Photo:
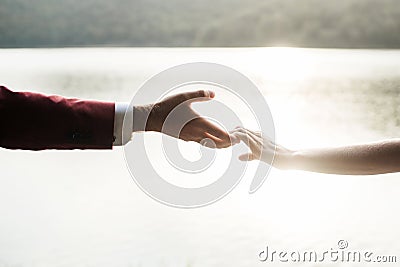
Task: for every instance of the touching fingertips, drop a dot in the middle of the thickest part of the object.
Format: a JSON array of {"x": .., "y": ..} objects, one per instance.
[
  {"x": 234, "y": 139},
  {"x": 246, "y": 157}
]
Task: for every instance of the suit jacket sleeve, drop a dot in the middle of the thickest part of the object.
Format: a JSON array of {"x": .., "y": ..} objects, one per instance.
[{"x": 34, "y": 121}]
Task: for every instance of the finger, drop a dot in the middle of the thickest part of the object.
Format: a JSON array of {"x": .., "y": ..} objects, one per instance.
[
  {"x": 194, "y": 96},
  {"x": 208, "y": 142},
  {"x": 204, "y": 126},
  {"x": 219, "y": 143},
  {"x": 254, "y": 136},
  {"x": 243, "y": 137},
  {"x": 246, "y": 157},
  {"x": 213, "y": 129},
  {"x": 234, "y": 140},
  {"x": 253, "y": 133},
  {"x": 255, "y": 147},
  {"x": 199, "y": 96},
  {"x": 260, "y": 139},
  {"x": 246, "y": 131}
]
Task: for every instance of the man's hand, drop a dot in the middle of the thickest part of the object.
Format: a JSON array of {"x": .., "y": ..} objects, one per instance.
[{"x": 174, "y": 116}]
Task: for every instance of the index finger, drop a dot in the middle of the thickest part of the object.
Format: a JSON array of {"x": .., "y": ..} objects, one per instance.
[{"x": 216, "y": 131}]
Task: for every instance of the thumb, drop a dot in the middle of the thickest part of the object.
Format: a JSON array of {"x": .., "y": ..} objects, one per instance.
[
  {"x": 199, "y": 96},
  {"x": 246, "y": 157}
]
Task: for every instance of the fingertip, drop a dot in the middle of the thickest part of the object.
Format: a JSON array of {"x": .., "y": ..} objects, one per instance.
[
  {"x": 243, "y": 158},
  {"x": 207, "y": 142},
  {"x": 234, "y": 139},
  {"x": 205, "y": 94},
  {"x": 246, "y": 157}
]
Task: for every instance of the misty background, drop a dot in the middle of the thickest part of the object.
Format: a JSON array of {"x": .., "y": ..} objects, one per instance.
[{"x": 182, "y": 23}]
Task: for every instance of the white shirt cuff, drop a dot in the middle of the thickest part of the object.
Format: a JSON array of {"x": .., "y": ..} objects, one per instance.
[{"x": 123, "y": 124}]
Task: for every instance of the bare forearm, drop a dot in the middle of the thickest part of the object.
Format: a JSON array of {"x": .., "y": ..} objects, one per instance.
[{"x": 364, "y": 159}]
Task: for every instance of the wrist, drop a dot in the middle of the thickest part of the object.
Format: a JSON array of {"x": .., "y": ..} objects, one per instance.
[
  {"x": 285, "y": 159},
  {"x": 140, "y": 115},
  {"x": 145, "y": 118},
  {"x": 297, "y": 159}
]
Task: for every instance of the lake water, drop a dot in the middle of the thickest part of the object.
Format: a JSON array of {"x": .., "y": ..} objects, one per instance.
[{"x": 82, "y": 208}]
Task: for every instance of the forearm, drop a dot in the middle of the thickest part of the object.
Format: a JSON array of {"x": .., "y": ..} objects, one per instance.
[
  {"x": 364, "y": 159},
  {"x": 35, "y": 122}
]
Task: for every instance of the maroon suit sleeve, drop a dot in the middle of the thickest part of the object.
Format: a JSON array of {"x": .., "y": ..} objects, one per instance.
[{"x": 35, "y": 122}]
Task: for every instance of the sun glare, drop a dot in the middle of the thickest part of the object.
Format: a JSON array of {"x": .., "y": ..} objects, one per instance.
[{"x": 283, "y": 63}]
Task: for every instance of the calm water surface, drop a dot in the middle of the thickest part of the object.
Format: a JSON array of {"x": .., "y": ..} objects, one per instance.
[{"x": 81, "y": 208}]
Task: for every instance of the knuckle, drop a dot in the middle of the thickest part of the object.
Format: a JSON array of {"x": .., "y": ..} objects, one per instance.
[{"x": 201, "y": 93}]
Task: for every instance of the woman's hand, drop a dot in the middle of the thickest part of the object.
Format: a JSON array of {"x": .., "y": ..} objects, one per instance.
[
  {"x": 361, "y": 159},
  {"x": 261, "y": 148}
]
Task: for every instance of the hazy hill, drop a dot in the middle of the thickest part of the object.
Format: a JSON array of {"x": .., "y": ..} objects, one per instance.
[{"x": 310, "y": 23}]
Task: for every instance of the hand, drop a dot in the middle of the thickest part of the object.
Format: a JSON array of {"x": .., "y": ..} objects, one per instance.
[
  {"x": 174, "y": 116},
  {"x": 263, "y": 149}
]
